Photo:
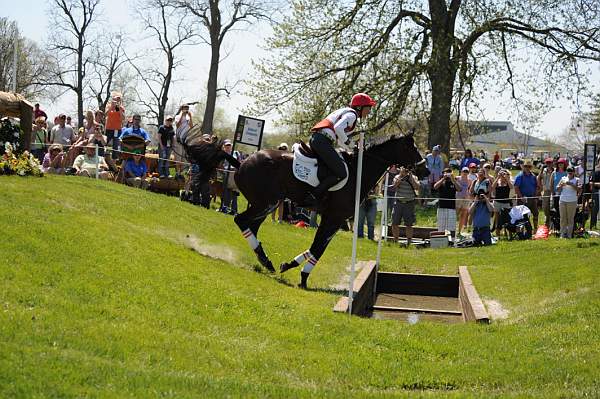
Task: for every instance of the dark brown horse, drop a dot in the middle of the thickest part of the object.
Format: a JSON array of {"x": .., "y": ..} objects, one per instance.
[{"x": 266, "y": 177}]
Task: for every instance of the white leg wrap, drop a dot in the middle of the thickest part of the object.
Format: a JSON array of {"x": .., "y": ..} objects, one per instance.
[
  {"x": 251, "y": 238},
  {"x": 302, "y": 257},
  {"x": 310, "y": 264}
]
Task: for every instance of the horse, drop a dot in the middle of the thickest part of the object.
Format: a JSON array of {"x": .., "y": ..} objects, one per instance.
[{"x": 266, "y": 177}]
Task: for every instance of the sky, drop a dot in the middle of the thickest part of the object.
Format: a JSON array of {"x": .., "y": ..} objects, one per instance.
[{"x": 31, "y": 16}]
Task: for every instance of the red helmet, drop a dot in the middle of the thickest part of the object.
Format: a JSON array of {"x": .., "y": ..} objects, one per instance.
[
  {"x": 362, "y": 100},
  {"x": 562, "y": 160}
]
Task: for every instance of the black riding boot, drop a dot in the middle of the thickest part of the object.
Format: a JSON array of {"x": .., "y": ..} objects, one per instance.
[
  {"x": 303, "y": 279},
  {"x": 315, "y": 196}
]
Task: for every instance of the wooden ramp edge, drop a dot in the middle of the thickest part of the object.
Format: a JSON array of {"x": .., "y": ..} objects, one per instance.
[
  {"x": 364, "y": 284},
  {"x": 473, "y": 309}
]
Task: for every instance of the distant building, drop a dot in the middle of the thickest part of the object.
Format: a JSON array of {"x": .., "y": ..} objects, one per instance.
[{"x": 492, "y": 136}]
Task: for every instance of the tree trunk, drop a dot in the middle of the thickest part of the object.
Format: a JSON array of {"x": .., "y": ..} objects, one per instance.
[
  {"x": 442, "y": 72},
  {"x": 213, "y": 73},
  {"x": 162, "y": 105},
  {"x": 79, "y": 88}
]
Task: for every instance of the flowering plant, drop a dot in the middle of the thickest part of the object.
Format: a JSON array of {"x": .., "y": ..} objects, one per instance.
[{"x": 23, "y": 165}]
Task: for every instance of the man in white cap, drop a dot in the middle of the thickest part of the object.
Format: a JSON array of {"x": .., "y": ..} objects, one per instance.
[{"x": 435, "y": 164}]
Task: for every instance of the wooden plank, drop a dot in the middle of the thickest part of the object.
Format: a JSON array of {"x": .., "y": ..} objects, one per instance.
[
  {"x": 473, "y": 308},
  {"x": 419, "y": 310},
  {"x": 362, "y": 292},
  {"x": 417, "y": 284}
]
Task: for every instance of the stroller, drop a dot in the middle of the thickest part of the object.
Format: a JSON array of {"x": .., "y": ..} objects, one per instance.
[{"x": 519, "y": 226}]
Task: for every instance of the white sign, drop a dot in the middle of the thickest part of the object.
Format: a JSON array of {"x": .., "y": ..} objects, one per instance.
[{"x": 252, "y": 131}]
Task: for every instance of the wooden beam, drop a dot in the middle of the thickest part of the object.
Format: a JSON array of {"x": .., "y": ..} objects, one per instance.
[{"x": 473, "y": 309}]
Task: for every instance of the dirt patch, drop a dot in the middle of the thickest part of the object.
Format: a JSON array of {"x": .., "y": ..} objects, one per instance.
[
  {"x": 496, "y": 310},
  {"x": 209, "y": 250}
]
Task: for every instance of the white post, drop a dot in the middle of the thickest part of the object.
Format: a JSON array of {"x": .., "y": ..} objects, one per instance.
[
  {"x": 97, "y": 161},
  {"x": 384, "y": 223},
  {"x": 356, "y": 205}
]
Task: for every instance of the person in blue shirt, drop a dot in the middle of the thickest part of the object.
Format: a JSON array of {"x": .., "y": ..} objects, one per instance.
[
  {"x": 468, "y": 159},
  {"x": 481, "y": 210},
  {"x": 527, "y": 189},
  {"x": 135, "y": 172},
  {"x": 136, "y": 130}
]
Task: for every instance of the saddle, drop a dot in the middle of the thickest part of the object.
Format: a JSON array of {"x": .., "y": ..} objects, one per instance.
[{"x": 305, "y": 166}]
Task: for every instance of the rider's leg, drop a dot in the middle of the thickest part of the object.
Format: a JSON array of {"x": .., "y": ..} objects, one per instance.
[{"x": 327, "y": 154}]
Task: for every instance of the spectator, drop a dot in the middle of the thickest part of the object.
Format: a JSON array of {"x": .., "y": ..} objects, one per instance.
[
  {"x": 481, "y": 181},
  {"x": 39, "y": 113},
  {"x": 435, "y": 164},
  {"x": 89, "y": 124},
  {"x": 136, "y": 130},
  {"x": 481, "y": 210},
  {"x": 501, "y": 191},
  {"x": 463, "y": 199},
  {"x": 69, "y": 122},
  {"x": 183, "y": 123},
  {"x": 527, "y": 190},
  {"x": 446, "y": 213},
  {"x": 39, "y": 138},
  {"x": 468, "y": 159},
  {"x": 473, "y": 171},
  {"x": 165, "y": 143},
  {"x": 557, "y": 175},
  {"x": 367, "y": 210},
  {"x": 135, "y": 171},
  {"x": 569, "y": 189},
  {"x": 115, "y": 117},
  {"x": 54, "y": 160},
  {"x": 595, "y": 188},
  {"x": 406, "y": 187},
  {"x": 487, "y": 169},
  {"x": 88, "y": 163},
  {"x": 200, "y": 184},
  {"x": 230, "y": 194},
  {"x": 496, "y": 158},
  {"x": 545, "y": 184},
  {"x": 99, "y": 117},
  {"x": 62, "y": 133}
]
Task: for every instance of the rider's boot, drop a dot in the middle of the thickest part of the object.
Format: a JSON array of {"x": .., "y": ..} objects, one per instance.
[
  {"x": 264, "y": 259},
  {"x": 303, "y": 279},
  {"x": 313, "y": 197}
]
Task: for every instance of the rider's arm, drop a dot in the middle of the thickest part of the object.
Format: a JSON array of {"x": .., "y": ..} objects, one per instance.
[{"x": 347, "y": 120}]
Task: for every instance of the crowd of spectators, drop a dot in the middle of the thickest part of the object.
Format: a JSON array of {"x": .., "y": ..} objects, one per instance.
[{"x": 481, "y": 197}]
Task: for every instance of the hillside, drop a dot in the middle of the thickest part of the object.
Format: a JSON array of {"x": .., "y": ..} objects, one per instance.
[{"x": 101, "y": 296}]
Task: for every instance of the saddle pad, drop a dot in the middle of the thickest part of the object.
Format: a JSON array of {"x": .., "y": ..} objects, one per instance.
[{"x": 305, "y": 170}]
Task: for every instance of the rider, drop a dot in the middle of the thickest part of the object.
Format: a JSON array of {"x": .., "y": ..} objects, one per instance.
[{"x": 331, "y": 130}]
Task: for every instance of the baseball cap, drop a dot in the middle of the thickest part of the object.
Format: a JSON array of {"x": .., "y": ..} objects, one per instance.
[
  {"x": 227, "y": 142},
  {"x": 436, "y": 148},
  {"x": 548, "y": 160},
  {"x": 528, "y": 162},
  {"x": 464, "y": 169},
  {"x": 169, "y": 117},
  {"x": 472, "y": 165}
]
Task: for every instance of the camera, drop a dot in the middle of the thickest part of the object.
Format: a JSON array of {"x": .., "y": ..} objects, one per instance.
[
  {"x": 118, "y": 108},
  {"x": 481, "y": 194}
]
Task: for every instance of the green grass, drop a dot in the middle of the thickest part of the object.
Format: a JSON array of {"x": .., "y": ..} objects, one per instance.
[{"x": 101, "y": 296}]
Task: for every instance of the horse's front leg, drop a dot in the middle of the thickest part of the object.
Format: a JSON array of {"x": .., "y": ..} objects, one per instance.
[
  {"x": 325, "y": 233},
  {"x": 249, "y": 222}
]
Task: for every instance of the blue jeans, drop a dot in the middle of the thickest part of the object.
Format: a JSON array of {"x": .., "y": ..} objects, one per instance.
[
  {"x": 368, "y": 210},
  {"x": 163, "y": 164},
  {"x": 229, "y": 201}
]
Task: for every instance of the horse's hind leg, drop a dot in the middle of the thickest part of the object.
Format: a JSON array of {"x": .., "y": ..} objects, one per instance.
[{"x": 249, "y": 222}]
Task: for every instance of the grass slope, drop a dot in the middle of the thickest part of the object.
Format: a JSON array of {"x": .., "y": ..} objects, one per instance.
[{"x": 101, "y": 296}]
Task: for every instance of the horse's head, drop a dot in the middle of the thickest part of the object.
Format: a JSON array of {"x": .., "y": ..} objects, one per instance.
[{"x": 403, "y": 151}]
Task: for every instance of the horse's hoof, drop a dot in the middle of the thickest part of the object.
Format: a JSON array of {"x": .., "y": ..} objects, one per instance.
[
  {"x": 269, "y": 266},
  {"x": 284, "y": 267}
]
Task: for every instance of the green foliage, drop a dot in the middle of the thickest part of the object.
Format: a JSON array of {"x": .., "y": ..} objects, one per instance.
[{"x": 101, "y": 296}]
